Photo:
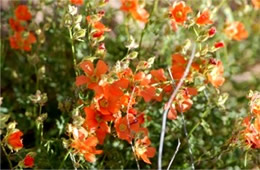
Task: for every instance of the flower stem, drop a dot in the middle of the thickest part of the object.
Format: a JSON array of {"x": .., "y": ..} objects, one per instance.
[
  {"x": 64, "y": 159},
  {"x": 73, "y": 52},
  {"x": 7, "y": 156},
  {"x": 155, "y": 4}
]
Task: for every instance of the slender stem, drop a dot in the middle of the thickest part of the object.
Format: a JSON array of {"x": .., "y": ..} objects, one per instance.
[
  {"x": 155, "y": 3},
  {"x": 245, "y": 161},
  {"x": 195, "y": 127},
  {"x": 7, "y": 156},
  {"x": 129, "y": 127},
  {"x": 73, "y": 52},
  {"x": 64, "y": 159},
  {"x": 41, "y": 126},
  {"x": 186, "y": 134},
  {"x": 175, "y": 153},
  {"x": 169, "y": 104}
]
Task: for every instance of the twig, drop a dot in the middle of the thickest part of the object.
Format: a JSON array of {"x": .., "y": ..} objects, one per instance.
[
  {"x": 175, "y": 153},
  {"x": 129, "y": 127},
  {"x": 169, "y": 104},
  {"x": 186, "y": 135}
]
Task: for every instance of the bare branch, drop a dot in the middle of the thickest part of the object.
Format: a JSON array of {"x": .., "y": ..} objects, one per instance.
[
  {"x": 174, "y": 155},
  {"x": 169, "y": 104}
]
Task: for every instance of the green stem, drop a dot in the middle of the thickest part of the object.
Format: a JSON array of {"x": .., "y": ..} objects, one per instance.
[
  {"x": 41, "y": 126},
  {"x": 195, "y": 127},
  {"x": 155, "y": 3},
  {"x": 64, "y": 159},
  {"x": 245, "y": 161},
  {"x": 73, "y": 51},
  {"x": 7, "y": 156}
]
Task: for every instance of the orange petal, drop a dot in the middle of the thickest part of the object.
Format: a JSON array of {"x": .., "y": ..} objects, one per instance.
[
  {"x": 101, "y": 68},
  {"x": 178, "y": 58},
  {"x": 140, "y": 14},
  {"x": 148, "y": 94},
  {"x": 90, "y": 157},
  {"x": 145, "y": 158},
  {"x": 192, "y": 91},
  {"x": 88, "y": 67},
  {"x": 150, "y": 152},
  {"x": 80, "y": 80},
  {"x": 91, "y": 141}
]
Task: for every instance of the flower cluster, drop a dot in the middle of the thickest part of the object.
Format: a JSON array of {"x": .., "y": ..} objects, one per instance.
[
  {"x": 22, "y": 38},
  {"x": 116, "y": 92},
  {"x": 112, "y": 94},
  {"x": 252, "y": 123},
  {"x": 236, "y": 31}
]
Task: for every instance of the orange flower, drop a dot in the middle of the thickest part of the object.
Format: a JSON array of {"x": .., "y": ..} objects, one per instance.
[
  {"x": 100, "y": 29},
  {"x": 183, "y": 99},
  {"x": 204, "y": 18},
  {"x": 125, "y": 99},
  {"x": 158, "y": 76},
  {"x": 140, "y": 14},
  {"x": 15, "y": 25},
  {"x": 252, "y": 132},
  {"x": 143, "y": 150},
  {"x": 122, "y": 130},
  {"x": 236, "y": 31},
  {"x": 142, "y": 79},
  {"x": 172, "y": 114},
  {"x": 144, "y": 88},
  {"x": 77, "y": 2},
  {"x": 215, "y": 76},
  {"x": 22, "y": 13},
  {"x": 182, "y": 102},
  {"x": 22, "y": 41},
  {"x": 107, "y": 98},
  {"x": 14, "y": 140},
  {"x": 256, "y": 3},
  {"x": 129, "y": 5},
  {"x": 97, "y": 121},
  {"x": 178, "y": 66},
  {"x": 94, "y": 118},
  {"x": 28, "y": 161},
  {"x": 87, "y": 147},
  {"x": 92, "y": 75},
  {"x": 137, "y": 12},
  {"x": 179, "y": 12}
]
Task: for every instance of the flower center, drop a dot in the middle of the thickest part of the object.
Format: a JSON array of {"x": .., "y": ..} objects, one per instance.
[
  {"x": 122, "y": 127},
  {"x": 103, "y": 103},
  {"x": 179, "y": 14},
  {"x": 98, "y": 118}
]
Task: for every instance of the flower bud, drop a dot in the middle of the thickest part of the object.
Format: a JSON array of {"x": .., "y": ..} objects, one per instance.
[
  {"x": 219, "y": 45},
  {"x": 212, "y": 31}
]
